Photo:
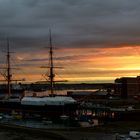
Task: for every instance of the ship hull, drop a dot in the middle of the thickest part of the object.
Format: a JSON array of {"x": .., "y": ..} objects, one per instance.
[{"x": 48, "y": 111}]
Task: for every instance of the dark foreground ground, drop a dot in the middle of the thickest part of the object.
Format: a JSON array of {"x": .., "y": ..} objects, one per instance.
[
  {"x": 6, "y": 135},
  {"x": 106, "y": 132},
  {"x": 12, "y": 132},
  {"x": 71, "y": 136}
]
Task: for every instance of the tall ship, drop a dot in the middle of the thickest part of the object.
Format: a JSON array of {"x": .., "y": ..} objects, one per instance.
[
  {"x": 10, "y": 86},
  {"x": 52, "y": 106}
]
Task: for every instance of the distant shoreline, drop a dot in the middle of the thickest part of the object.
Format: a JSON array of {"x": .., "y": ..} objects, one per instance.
[{"x": 65, "y": 86}]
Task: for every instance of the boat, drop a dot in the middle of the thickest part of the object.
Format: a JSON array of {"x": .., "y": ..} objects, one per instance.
[{"x": 51, "y": 106}]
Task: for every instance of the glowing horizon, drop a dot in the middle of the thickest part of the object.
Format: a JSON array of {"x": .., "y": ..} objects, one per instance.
[{"x": 81, "y": 64}]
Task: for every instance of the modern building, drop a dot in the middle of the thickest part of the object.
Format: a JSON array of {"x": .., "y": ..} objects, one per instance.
[{"x": 127, "y": 86}]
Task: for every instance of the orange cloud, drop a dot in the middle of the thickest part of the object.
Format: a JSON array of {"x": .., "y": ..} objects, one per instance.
[{"x": 82, "y": 64}]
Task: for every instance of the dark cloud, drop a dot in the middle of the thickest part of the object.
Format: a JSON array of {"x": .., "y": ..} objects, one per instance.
[
  {"x": 36, "y": 60},
  {"x": 74, "y": 23}
]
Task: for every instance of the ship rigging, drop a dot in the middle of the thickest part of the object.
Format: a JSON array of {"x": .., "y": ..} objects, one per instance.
[
  {"x": 50, "y": 77},
  {"x": 8, "y": 76},
  {"x": 52, "y": 106}
]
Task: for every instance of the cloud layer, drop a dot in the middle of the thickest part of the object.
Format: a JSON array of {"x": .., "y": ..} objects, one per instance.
[
  {"x": 81, "y": 29},
  {"x": 74, "y": 22}
]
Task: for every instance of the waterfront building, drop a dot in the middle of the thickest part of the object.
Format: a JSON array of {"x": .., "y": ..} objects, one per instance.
[{"x": 127, "y": 86}]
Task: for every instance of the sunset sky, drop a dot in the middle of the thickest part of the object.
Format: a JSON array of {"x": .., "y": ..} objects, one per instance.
[{"x": 94, "y": 40}]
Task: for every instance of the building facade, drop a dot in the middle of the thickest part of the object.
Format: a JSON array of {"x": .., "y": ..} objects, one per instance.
[{"x": 127, "y": 86}]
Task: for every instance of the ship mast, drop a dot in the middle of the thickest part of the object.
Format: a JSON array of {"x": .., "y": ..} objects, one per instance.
[
  {"x": 51, "y": 74},
  {"x": 7, "y": 74},
  {"x": 8, "y": 70}
]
